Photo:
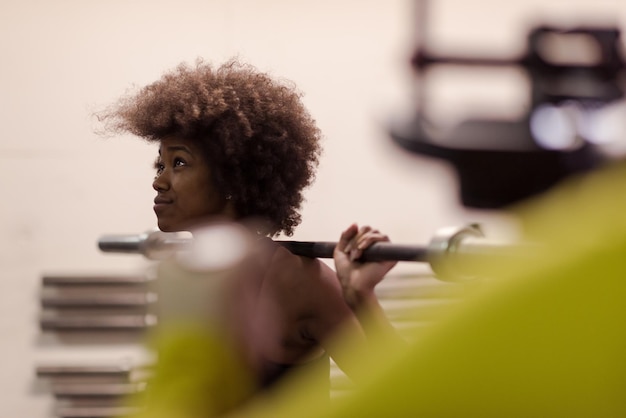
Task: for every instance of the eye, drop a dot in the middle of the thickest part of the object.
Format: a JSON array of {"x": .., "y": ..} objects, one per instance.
[
  {"x": 179, "y": 162},
  {"x": 159, "y": 167}
]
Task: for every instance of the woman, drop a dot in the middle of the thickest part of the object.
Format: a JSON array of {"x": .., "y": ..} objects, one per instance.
[{"x": 238, "y": 145}]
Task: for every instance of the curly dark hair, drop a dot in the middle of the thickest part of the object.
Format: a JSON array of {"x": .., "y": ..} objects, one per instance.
[{"x": 261, "y": 143}]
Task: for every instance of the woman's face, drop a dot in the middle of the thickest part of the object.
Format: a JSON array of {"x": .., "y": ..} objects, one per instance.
[{"x": 185, "y": 192}]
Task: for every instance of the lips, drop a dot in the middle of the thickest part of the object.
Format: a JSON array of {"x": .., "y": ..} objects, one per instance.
[
  {"x": 160, "y": 200},
  {"x": 161, "y": 203}
]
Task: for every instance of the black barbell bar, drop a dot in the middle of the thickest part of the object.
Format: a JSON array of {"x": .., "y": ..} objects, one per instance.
[{"x": 448, "y": 244}]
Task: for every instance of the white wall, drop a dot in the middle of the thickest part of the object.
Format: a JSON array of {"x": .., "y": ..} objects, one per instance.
[{"x": 63, "y": 187}]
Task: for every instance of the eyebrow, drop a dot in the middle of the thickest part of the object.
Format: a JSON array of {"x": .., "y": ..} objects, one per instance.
[{"x": 177, "y": 148}]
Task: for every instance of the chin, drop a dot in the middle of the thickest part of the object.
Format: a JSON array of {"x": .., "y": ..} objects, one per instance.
[
  {"x": 173, "y": 226},
  {"x": 167, "y": 227}
]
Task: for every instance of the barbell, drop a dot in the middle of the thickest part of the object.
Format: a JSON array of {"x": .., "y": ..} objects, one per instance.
[{"x": 447, "y": 246}]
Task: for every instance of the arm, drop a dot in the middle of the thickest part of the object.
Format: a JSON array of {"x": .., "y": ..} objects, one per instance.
[
  {"x": 350, "y": 318},
  {"x": 359, "y": 279}
]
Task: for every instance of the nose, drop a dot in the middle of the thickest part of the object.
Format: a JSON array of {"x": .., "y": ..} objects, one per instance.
[{"x": 161, "y": 182}]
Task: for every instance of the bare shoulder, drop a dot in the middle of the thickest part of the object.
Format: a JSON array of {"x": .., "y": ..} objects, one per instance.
[
  {"x": 301, "y": 271},
  {"x": 309, "y": 288}
]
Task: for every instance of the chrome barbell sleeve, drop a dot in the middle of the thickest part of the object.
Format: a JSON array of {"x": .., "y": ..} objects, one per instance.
[
  {"x": 156, "y": 245},
  {"x": 445, "y": 251}
]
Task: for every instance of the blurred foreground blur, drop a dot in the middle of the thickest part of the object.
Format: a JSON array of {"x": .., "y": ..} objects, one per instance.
[{"x": 538, "y": 337}]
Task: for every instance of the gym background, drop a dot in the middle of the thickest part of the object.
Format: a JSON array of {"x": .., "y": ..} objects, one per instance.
[{"x": 63, "y": 186}]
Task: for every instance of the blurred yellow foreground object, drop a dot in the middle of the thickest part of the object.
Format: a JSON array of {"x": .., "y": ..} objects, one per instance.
[{"x": 546, "y": 337}]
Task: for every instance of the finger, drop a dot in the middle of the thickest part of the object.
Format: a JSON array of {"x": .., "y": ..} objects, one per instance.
[
  {"x": 372, "y": 237},
  {"x": 344, "y": 243},
  {"x": 364, "y": 230},
  {"x": 355, "y": 253}
]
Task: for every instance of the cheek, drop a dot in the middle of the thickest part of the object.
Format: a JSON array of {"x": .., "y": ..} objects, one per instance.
[{"x": 205, "y": 201}]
